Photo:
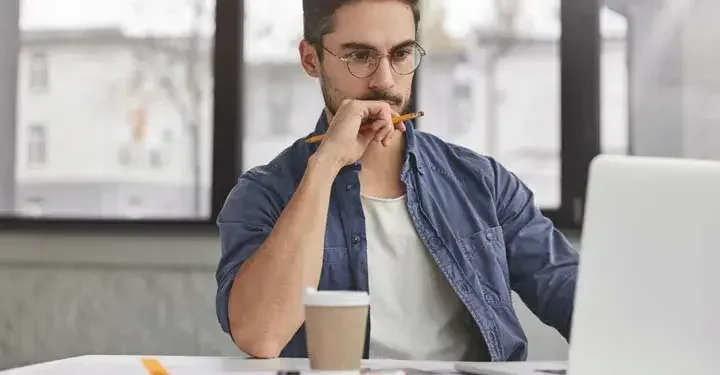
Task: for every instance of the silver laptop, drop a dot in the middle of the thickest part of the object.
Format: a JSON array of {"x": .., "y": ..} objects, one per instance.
[{"x": 648, "y": 294}]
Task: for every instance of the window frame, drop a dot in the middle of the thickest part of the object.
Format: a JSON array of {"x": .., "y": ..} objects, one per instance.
[
  {"x": 580, "y": 45},
  {"x": 580, "y": 62}
]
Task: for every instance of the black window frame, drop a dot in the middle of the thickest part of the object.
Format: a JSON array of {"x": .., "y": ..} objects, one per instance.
[
  {"x": 580, "y": 59},
  {"x": 580, "y": 45}
]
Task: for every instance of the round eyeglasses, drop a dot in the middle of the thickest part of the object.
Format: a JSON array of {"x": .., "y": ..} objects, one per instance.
[{"x": 363, "y": 63}]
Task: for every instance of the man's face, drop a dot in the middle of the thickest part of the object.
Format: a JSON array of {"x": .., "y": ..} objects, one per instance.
[{"x": 362, "y": 29}]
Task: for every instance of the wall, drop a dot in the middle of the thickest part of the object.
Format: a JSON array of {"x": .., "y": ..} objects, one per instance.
[
  {"x": 67, "y": 295},
  {"x": 71, "y": 294}
]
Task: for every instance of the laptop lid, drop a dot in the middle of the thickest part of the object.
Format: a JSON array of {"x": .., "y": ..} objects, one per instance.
[{"x": 648, "y": 293}]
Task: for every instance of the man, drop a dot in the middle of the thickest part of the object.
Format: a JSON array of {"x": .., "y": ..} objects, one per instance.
[{"x": 437, "y": 234}]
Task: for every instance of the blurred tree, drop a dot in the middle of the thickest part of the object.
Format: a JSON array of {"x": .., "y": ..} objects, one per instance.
[{"x": 175, "y": 68}]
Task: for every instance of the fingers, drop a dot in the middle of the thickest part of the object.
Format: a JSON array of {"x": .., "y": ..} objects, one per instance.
[
  {"x": 373, "y": 131},
  {"x": 381, "y": 113},
  {"x": 378, "y": 113},
  {"x": 384, "y": 135}
]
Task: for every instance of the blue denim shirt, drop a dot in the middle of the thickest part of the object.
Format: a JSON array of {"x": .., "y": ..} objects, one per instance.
[{"x": 478, "y": 221}]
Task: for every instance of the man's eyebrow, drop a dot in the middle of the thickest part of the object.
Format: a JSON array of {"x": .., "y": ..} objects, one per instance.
[
  {"x": 404, "y": 44},
  {"x": 356, "y": 45},
  {"x": 361, "y": 45}
]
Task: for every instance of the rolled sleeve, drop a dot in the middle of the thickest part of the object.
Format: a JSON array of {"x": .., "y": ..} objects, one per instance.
[
  {"x": 246, "y": 220},
  {"x": 543, "y": 264}
]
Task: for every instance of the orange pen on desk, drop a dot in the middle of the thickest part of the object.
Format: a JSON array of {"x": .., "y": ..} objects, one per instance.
[{"x": 395, "y": 120}]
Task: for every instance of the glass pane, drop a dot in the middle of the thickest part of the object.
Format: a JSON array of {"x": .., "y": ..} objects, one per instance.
[
  {"x": 282, "y": 102},
  {"x": 113, "y": 109},
  {"x": 667, "y": 63},
  {"x": 614, "y": 85},
  {"x": 491, "y": 82}
]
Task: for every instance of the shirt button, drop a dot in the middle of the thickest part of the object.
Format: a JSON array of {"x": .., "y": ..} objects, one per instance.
[
  {"x": 348, "y": 187},
  {"x": 355, "y": 239}
]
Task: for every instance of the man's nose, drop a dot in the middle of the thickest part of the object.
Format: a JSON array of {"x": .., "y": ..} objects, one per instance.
[{"x": 383, "y": 78}]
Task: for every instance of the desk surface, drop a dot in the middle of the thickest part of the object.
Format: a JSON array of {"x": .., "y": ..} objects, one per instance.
[{"x": 177, "y": 365}]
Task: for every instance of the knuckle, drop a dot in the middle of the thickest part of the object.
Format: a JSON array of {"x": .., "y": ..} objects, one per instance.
[{"x": 347, "y": 103}]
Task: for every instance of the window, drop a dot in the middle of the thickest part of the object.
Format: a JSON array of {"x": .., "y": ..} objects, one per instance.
[
  {"x": 125, "y": 156},
  {"x": 282, "y": 103},
  {"x": 491, "y": 82},
  {"x": 38, "y": 71},
  {"x": 130, "y": 71},
  {"x": 143, "y": 88},
  {"x": 660, "y": 64},
  {"x": 461, "y": 115},
  {"x": 37, "y": 145},
  {"x": 280, "y": 109},
  {"x": 33, "y": 207},
  {"x": 134, "y": 207},
  {"x": 156, "y": 159}
]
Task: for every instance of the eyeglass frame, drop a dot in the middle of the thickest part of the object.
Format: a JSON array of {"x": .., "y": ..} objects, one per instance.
[{"x": 380, "y": 56}]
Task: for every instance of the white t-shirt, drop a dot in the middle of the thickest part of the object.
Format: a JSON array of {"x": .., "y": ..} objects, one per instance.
[{"x": 414, "y": 313}]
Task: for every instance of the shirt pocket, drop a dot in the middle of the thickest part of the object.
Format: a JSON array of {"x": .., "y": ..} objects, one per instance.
[
  {"x": 336, "y": 271},
  {"x": 489, "y": 275}
]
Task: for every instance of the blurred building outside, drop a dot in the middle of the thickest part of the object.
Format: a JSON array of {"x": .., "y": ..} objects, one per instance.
[{"x": 112, "y": 124}]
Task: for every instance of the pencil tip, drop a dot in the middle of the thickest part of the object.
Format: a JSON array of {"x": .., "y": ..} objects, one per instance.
[{"x": 421, "y": 113}]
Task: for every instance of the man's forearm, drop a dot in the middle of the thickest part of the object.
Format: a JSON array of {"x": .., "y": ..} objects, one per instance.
[
  {"x": 265, "y": 306},
  {"x": 562, "y": 304}
]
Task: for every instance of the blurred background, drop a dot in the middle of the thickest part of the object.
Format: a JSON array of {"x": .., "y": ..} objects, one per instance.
[{"x": 124, "y": 123}]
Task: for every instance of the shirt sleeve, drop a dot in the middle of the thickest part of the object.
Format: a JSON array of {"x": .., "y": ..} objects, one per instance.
[
  {"x": 246, "y": 220},
  {"x": 542, "y": 263}
]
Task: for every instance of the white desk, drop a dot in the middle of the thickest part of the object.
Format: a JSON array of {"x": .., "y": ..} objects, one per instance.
[{"x": 130, "y": 365}]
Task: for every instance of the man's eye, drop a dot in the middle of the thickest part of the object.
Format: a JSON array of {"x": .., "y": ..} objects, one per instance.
[
  {"x": 360, "y": 56},
  {"x": 401, "y": 54}
]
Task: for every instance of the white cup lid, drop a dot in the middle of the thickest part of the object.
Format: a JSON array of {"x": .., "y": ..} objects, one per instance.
[{"x": 335, "y": 298}]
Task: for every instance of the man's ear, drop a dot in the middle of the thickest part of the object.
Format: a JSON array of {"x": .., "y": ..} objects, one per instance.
[{"x": 309, "y": 59}]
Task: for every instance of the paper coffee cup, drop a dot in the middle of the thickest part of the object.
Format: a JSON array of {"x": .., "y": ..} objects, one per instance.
[{"x": 335, "y": 325}]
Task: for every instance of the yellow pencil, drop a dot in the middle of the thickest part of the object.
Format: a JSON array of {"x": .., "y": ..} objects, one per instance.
[
  {"x": 396, "y": 120},
  {"x": 153, "y": 367}
]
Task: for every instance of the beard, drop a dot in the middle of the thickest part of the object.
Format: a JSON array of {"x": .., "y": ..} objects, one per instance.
[{"x": 334, "y": 97}]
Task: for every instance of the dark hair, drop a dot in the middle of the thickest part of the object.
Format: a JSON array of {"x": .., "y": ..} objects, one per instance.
[{"x": 318, "y": 18}]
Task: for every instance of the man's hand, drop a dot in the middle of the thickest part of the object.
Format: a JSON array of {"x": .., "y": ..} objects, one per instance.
[{"x": 344, "y": 142}]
